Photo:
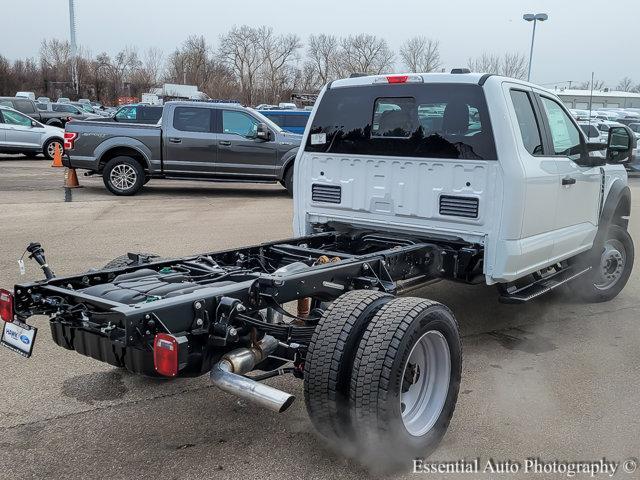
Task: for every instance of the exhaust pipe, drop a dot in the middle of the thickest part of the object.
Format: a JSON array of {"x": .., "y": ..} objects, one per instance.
[{"x": 227, "y": 376}]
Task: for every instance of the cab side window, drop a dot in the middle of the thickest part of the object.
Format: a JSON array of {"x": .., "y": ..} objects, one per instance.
[
  {"x": 15, "y": 118},
  {"x": 527, "y": 121},
  {"x": 192, "y": 119},
  {"x": 126, "y": 114},
  {"x": 565, "y": 135},
  {"x": 239, "y": 123}
]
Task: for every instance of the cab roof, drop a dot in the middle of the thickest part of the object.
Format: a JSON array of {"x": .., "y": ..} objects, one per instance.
[{"x": 462, "y": 78}]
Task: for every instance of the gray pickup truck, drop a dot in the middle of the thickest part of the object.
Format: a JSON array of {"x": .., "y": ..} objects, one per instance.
[{"x": 193, "y": 141}]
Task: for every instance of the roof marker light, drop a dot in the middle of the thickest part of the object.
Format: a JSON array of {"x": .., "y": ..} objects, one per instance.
[{"x": 399, "y": 79}]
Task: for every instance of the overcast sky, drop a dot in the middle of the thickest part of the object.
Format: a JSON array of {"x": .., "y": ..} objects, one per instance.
[{"x": 581, "y": 35}]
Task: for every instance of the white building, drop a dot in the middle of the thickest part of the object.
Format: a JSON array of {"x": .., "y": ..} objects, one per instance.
[
  {"x": 574, "y": 98},
  {"x": 172, "y": 91}
]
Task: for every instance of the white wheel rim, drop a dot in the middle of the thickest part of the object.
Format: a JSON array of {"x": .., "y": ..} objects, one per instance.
[
  {"x": 612, "y": 263},
  {"x": 123, "y": 177},
  {"x": 425, "y": 383},
  {"x": 51, "y": 148}
]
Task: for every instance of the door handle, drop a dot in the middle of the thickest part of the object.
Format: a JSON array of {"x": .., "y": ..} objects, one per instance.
[
  {"x": 175, "y": 140},
  {"x": 224, "y": 143},
  {"x": 568, "y": 181}
]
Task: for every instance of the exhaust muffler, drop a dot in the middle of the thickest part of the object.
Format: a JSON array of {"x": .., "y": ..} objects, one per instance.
[{"x": 228, "y": 373}]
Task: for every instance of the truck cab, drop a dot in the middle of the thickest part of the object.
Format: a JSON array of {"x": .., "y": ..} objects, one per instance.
[{"x": 486, "y": 159}]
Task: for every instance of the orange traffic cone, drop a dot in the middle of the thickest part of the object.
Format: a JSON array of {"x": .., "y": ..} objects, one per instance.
[
  {"x": 57, "y": 157},
  {"x": 71, "y": 178}
]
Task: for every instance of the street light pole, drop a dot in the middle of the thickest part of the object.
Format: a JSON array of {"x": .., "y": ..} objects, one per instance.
[
  {"x": 531, "y": 17},
  {"x": 74, "y": 47}
]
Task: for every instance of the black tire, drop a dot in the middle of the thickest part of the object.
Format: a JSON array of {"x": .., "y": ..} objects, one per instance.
[
  {"x": 49, "y": 146},
  {"x": 146, "y": 179},
  {"x": 287, "y": 180},
  {"x": 124, "y": 260},
  {"x": 329, "y": 360},
  {"x": 379, "y": 377},
  {"x": 133, "y": 176},
  {"x": 592, "y": 286}
]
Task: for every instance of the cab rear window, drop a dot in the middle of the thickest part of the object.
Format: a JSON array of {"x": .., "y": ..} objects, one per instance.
[{"x": 425, "y": 120}]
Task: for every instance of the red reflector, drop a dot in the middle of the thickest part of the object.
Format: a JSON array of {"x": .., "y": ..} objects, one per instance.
[
  {"x": 69, "y": 139},
  {"x": 165, "y": 354},
  {"x": 397, "y": 78},
  {"x": 6, "y": 305}
]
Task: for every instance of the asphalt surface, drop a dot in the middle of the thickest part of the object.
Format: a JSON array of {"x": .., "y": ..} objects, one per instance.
[{"x": 554, "y": 379}]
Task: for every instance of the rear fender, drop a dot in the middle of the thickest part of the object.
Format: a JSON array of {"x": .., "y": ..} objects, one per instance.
[
  {"x": 287, "y": 160},
  {"x": 124, "y": 142}
]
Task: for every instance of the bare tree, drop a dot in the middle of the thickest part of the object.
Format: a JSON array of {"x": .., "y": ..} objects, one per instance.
[
  {"x": 625, "y": 85},
  {"x": 222, "y": 83},
  {"x": 279, "y": 51},
  {"x": 364, "y": 53},
  {"x": 241, "y": 51},
  {"x": 597, "y": 85},
  {"x": 486, "y": 63},
  {"x": 514, "y": 65},
  {"x": 307, "y": 79},
  {"x": 153, "y": 65},
  {"x": 420, "y": 54},
  {"x": 323, "y": 55},
  {"x": 55, "y": 54},
  {"x": 510, "y": 64},
  {"x": 7, "y": 78}
]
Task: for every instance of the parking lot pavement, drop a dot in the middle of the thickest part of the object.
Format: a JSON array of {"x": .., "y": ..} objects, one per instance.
[{"x": 554, "y": 379}]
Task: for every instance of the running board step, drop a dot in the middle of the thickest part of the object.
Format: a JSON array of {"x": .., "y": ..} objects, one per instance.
[{"x": 540, "y": 287}]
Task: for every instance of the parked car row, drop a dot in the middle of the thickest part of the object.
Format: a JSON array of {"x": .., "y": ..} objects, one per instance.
[
  {"x": 620, "y": 115},
  {"x": 20, "y": 133},
  {"x": 53, "y": 114}
]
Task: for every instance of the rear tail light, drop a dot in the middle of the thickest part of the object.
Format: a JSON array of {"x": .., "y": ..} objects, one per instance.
[
  {"x": 69, "y": 140},
  {"x": 399, "y": 79},
  {"x": 165, "y": 354},
  {"x": 6, "y": 305}
]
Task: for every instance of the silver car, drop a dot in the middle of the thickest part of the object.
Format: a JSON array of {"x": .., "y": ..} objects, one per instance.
[{"x": 22, "y": 134}]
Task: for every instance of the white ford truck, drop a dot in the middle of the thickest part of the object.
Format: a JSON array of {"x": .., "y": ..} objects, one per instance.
[{"x": 401, "y": 180}]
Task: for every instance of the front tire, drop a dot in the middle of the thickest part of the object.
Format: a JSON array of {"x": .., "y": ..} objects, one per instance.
[
  {"x": 49, "y": 148},
  {"x": 405, "y": 381},
  {"x": 611, "y": 263},
  {"x": 123, "y": 176},
  {"x": 287, "y": 181}
]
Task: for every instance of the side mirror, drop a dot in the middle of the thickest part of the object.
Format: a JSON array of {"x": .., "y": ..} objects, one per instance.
[
  {"x": 263, "y": 132},
  {"x": 34, "y": 124},
  {"x": 621, "y": 144}
]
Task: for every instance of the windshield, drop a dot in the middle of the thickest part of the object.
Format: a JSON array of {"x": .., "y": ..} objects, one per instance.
[{"x": 264, "y": 119}]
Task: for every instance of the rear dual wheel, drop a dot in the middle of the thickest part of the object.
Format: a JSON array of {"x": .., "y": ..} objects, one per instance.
[
  {"x": 329, "y": 361},
  {"x": 402, "y": 360},
  {"x": 405, "y": 381}
]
